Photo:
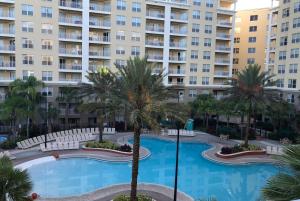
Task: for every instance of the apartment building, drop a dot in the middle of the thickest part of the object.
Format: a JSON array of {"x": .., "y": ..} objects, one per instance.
[
  {"x": 250, "y": 41},
  {"x": 283, "y": 48},
  {"x": 61, "y": 41}
]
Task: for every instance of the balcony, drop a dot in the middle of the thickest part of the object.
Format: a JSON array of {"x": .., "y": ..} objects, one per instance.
[
  {"x": 221, "y": 62},
  {"x": 179, "y": 17},
  {"x": 178, "y": 45},
  {"x": 96, "y": 54},
  {"x": 154, "y": 44},
  {"x": 155, "y": 15},
  {"x": 98, "y": 8},
  {"x": 101, "y": 24},
  {"x": 177, "y": 59},
  {"x": 178, "y": 84},
  {"x": 155, "y": 58},
  {"x": 155, "y": 29},
  {"x": 223, "y": 49},
  {"x": 181, "y": 2},
  {"x": 99, "y": 39},
  {"x": 70, "y": 67},
  {"x": 223, "y": 36},
  {"x": 63, "y": 79},
  {"x": 7, "y": 15},
  {"x": 7, "y": 65},
  {"x": 69, "y": 21},
  {"x": 226, "y": 11},
  {"x": 224, "y": 23},
  {"x": 70, "y": 52},
  {"x": 176, "y": 72},
  {"x": 70, "y": 37},
  {"x": 70, "y": 5},
  {"x": 7, "y": 79},
  {"x": 7, "y": 49},
  {"x": 7, "y": 32},
  {"x": 272, "y": 49},
  {"x": 178, "y": 31},
  {"x": 7, "y": 1},
  {"x": 221, "y": 74}
]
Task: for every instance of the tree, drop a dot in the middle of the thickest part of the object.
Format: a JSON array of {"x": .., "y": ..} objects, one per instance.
[
  {"x": 49, "y": 114},
  {"x": 144, "y": 95},
  {"x": 15, "y": 184},
  {"x": 250, "y": 87},
  {"x": 67, "y": 96},
  {"x": 285, "y": 186},
  {"x": 98, "y": 95}
]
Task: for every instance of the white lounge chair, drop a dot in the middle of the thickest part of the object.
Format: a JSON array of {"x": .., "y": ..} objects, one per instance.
[{"x": 97, "y": 130}]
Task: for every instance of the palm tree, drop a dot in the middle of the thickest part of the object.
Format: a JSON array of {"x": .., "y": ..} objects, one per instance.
[
  {"x": 285, "y": 186},
  {"x": 49, "y": 114},
  {"x": 144, "y": 95},
  {"x": 15, "y": 184},
  {"x": 67, "y": 96},
  {"x": 98, "y": 95},
  {"x": 250, "y": 87},
  {"x": 30, "y": 90}
]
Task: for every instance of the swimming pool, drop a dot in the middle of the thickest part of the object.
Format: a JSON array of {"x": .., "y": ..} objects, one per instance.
[
  {"x": 198, "y": 177},
  {"x": 2, "y": 138}
]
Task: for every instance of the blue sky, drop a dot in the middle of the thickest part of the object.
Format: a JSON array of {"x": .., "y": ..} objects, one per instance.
[{"x": 250, "y": 4}]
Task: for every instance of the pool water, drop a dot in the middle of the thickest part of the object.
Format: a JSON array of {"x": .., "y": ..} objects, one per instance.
[
  {"x": 2, "y": 138},
  {"x": 198, "y": 177}
]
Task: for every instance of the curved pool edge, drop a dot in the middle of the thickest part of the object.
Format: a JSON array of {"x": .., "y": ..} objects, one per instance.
[{"x": 107, "y": 193}]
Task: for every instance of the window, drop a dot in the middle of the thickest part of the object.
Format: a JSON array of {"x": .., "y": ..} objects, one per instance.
[
  {"x": 207, "y": 42},
  {"x": 252, "y": 39},
  {"x": 208, "y": 16},
  {"x": 193, "y": 80},
  {"x": 136, "y": 7},
  {"x": 251, "y": 61},
  {"x": 120, "y": 35},
  {"x": 283, "y": 41},
  {"x": 47, "y": 75},
  {"x": 135, "y": 36},
  {"x": 297, "y": 7},
  {"x": 27, "y": 26},
  {"x": 121, "y": 5},
  {"x": 251, "y": 50},
  {"x": 296, "y": 38},
  {"x": 26, "y": 74},
  {"x": 235, "y": 61},
  {"x": 237, "y": 40},
  {"x": 236, "y": 50},
  {"x": 27, "y": 10},
  {"x": 282, "y": 55},
  {"x": 294, "y": 53},
  {"x": 206, "y": 68},
  {"x": 285, "y": 27},
  {"x": 197, "y": 2},
  {"x": 208, "y": 29},
  {"x": 252, "y": 28},
  {"x": 195, "y": 41},
  {"x": 136, "y": 22},
  {"x": 196, "y": 14},
  {"x": 209, "y": 3},
  {"x": 120, "y": 63},
  {"x": 290, "y": 98},
  {"x": 196, "y": 28},
  {"x": 192, "y": 93},
  {"x": 280, "y": 83},
  {"x": 47, "y": 60},
  {"x": 286, "y": 1},
  {"x": 27, "y": 59},
  {"x": 285, "y": 12},
  {"x": 47, "y": 44},
  {"x": 194, "y": 54},
  {"x": 193, "y": 68},
  {"x": 47, "y": 91},
  {"x": 46, "y": 12},
  {"x": 281, "y": 69},
  {"x": 135, "y": 51},
  {"x": 253, "y": 17},
  {"x": 296, "y": 22},
  {"x": 205, "y": 80},
  {"x": 293, "y": 68},
  {"x": 292, "y": 83},
  {"x": 206, "y": 55},
  {"x": 120, "y": 50},
  {"x": 121, "y": 20},
  {"x": 47, "y": 28},
  {"x": 27, "y": 43}
]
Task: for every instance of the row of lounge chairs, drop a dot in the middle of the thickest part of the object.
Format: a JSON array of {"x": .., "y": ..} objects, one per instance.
[
  {"x": 7, "y": 154},
  {"x": 275, "y": 150},
  {"x": 185, "y": 133},
  {"x": 109, "y": 131},
  {"x": 31, "y": 142},
  {"x": 55, "y": 146},
  {"x": 77, "y": 138}
]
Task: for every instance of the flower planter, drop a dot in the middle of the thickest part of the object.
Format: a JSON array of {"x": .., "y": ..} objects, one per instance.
[
  {"x": 107, "y": 150},
  {"x": 238, "y": 154}
]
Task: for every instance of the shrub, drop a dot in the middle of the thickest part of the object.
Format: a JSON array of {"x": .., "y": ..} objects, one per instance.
[
  {"x": 108, "y": 145},
  {"x": 239, "y": 148},
  {"x": 127, "y": 198},
  {"x": 226, "y": 150},
  {"x": 8, "y": 144},
  {"x": 125, "y": 148}
]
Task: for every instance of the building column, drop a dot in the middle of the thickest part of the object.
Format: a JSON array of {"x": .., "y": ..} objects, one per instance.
[
  {"x": 269, "y": 38},
  {"x": 166, "y": 51},
  {"x": 232, "y": 41},
  {"x": 85, "y": 39}
]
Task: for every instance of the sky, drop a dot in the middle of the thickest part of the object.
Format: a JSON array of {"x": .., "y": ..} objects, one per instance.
[{"x": 250, "y": 4}]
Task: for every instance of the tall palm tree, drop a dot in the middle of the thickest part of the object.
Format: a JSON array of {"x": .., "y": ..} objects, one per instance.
[
  {"x": 30, "y": 90},
  {"x": 285, "y": 186},
  {"x": 250, "y": 87},
  {"x": 15, "y": 184},
  {"x": 98, "y": 95},
  {"x": 144, "y": 95}
]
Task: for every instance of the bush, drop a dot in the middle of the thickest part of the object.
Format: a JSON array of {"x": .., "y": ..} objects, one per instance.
[
  {"x": 226, "y": 150},
  {"x": 125, "y": 148},
  {"x": 8, "y": 144},
  {"x": 127, "y": 198},
  {"x": 239, "y": 148},
  {"x": 108, "y": 145}
]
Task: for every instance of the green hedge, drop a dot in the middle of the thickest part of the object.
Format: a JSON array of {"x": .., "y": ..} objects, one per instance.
[{"x": 127, "y": 198}]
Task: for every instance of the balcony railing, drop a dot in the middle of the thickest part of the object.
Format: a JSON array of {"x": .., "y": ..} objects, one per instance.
[
  {"x": 155, "y": 28},
  {"x": 155, "y": 14},
  {"x": 7, "y": 47},
  {"x": 7, "y": 14},
  {"x": 221, "y": 73},
  {"x": 222, "y": 61},
  {"x": 97, "y": 53},
  {"x": 7, "y": 78},
  {"x": 178, "y": 44},
  {"x": 70, "y": 20},
  {"x": 155, "y": 57},
  {"x": 7, "y": 64},
  {"x": 223, "y": 35},
  {"x": 176, "y": 16},
  {"x": 99, "y": 38},
  {"x": 223, "y": 48},
  {"x": 70, "y": 4},
  {"x": 70, "y": 66},
  {"x": 74, "y": 52},
  {"x": 100, "y": 8},
  {"x": 178, "y": 31},
  {"x": 224, "y": 23},
  {"x": 7, "y": 31},
  {"x": 177, "y": 71},
  {"x": 69, "y": 79},
  {"x": 70, "y": 36},
  {"x": 100, "y": 23},
  {"x": 177, "y": 58},
  {"x": 155, "y": 43}
]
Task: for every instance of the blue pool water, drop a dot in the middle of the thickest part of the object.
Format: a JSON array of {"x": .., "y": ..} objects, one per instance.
[
  {"x": 198, "y": 177},
  {"x": 2, "y": 138}
]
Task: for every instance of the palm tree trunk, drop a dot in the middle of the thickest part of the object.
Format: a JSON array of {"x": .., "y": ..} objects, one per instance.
[
  {"x": 248, "y": 125},
  {"x": 100, "y": 128},
  {"x": 228, "y": 118},
  {"x": 27, "y": 127},
  {"x": 67, "y": 116},
  {"x": 135, "y": 163},
  {"x": 217, "y": 124},
  {"x": 125, "y": 119},
  {"x": 207, "y": 118}
]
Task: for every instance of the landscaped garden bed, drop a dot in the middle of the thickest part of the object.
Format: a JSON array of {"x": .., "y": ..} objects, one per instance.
[
  {"x": 240, "y": 150},
  {"x": 108, "y": 146},
  {"x": 127, "y": 198}
]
